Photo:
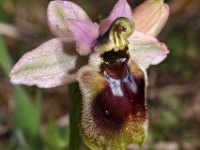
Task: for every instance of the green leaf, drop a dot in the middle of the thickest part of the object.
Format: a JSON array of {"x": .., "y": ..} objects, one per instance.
[
  {"x": 56, "y": 139},
  {"x": 21, "y": 140},
  {"x": 4, "y": 17},
  {"x": 27, "y": 115},
  {"x": 75, "y": 111},
  {"x": 5, "y": 61}
]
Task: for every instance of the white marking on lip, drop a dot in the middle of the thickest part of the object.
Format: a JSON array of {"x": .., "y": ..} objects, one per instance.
[{"x": 115, "y": 85}]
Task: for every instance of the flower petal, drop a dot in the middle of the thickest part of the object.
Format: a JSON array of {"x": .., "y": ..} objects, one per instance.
[
  {"x": 99, "y": 125},
  {"x": 150, "y": 14},
  {"x": 49, "y": 65},
  {"x": 146, "y": 50},
  {"x": 121, "y": 9},
  {"x": 85, "y": 34},
  {"x": 58, "y": 11},
  {"x": 157, "y": 27}
]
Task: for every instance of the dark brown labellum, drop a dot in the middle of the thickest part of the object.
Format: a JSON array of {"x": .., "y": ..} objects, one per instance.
[{"x": 123, "y": 99}]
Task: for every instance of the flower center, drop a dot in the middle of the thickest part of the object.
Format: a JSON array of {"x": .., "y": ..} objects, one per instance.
[
  {"x": 116, "y": 38},
  {"x": 115, "y": 63}
]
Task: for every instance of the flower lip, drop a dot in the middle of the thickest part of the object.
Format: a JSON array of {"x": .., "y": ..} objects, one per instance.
[{"x": 125, "y": 101}]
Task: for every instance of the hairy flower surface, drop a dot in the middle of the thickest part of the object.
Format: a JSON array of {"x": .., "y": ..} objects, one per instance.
[{"x": 109, "y": 63}]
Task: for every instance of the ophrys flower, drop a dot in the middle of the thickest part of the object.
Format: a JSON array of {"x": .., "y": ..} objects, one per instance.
[{"x": 110, "y": 65}]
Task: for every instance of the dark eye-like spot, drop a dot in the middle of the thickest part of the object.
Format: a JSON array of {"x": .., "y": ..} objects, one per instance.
[{"x": 120, "y": 28}]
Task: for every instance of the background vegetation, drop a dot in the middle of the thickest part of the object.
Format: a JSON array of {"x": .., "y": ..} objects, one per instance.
[{"x": 32, "y": 118}]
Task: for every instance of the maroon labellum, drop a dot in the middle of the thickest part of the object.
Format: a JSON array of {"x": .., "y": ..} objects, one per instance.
[
  {"x": 114, "y": 106},
  {"x": 123, "y": 97}
]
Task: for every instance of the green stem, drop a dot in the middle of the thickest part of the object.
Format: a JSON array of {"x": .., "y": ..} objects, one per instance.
[{"x": 75, "y": 112}]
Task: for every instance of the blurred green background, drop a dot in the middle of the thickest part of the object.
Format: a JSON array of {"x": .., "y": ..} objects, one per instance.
[{"x": 38, "y": 119}]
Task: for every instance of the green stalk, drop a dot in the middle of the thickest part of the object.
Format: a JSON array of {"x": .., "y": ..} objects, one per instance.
[{"x": 75, "y": 112}]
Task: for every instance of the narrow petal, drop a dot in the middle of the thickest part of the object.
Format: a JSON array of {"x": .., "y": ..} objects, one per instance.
[
  {"x": 150, "y": 16},
  {"x": 102, "y": 126},
  {"x": 146, "y": 50},
  {"x": 121, "y": 9},
  {"x": 58, "y": 11},
  {"x": 157, "y": 27},
  {"x": 85, "y": 34},
  {"x": 49, "y": 65}
]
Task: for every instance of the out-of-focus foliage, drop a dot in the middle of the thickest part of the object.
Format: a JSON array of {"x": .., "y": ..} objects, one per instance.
[
  {"x": 38, "y": 119},
  {"x": 55, "y": 138},
  {"x": 5, "y": 60}
]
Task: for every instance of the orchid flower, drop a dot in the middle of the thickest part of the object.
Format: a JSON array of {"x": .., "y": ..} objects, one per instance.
[{"x": 109, "y": 63}]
